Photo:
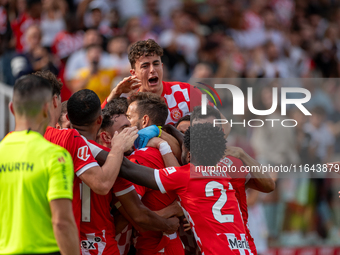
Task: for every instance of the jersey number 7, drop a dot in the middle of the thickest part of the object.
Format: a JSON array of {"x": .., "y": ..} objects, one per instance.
[{"x": 216, "y": 209}]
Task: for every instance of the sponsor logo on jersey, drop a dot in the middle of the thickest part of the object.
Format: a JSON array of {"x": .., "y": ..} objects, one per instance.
[
  {"x": 83, "y": 153},
  {"x": 236, "y": 244},
  {"x": 170, "y": 170},
  {"x": 88, "y": 245}
]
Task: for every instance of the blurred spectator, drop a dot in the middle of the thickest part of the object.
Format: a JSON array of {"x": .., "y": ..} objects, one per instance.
[
  {"x": 136, "y": 32},
  {"x": 202, "y": 71},
  {"x": 79, "y": 60},
  {"x": 117, "y": 47},
  {"x": 67, "y": 41},
  {"x": 35, "y": 58},
  {"x": 94, "y": 77},
  {"x": 151, "y": 20},
  {"x": 322, "y": 140},
  {"x": 28, "y": 15},
  {"x": 52, "y": 20},
  {"x": 231, "y": 60},
  {"x": 182, "y": 39}
]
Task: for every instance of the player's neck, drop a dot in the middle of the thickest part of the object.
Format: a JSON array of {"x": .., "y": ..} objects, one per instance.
[
  {"x": 88, "y": 132},
  {"x": 29, "y": 124},
  {"x": 52, "y": 123}
]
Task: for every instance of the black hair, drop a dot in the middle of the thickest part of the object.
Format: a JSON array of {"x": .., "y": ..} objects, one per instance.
[
  {"x": 83, "y": 107},
  {"x": 211, "y": 112},
  {"x": 152, "y": 105},
  {"x": 30, "y": 92},
  {"x": 116, "y": 106},
  {"x": 206, "y": 144},
  {"x": 184, "y": 118}
]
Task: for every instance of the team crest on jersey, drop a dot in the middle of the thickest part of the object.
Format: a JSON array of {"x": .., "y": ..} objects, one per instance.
[
  {"x": 176, "y": 114},
  {"x": 83, "y": 153}
]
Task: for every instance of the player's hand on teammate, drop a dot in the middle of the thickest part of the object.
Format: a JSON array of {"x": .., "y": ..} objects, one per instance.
[
  {"x": 155, "y": 142},
  {"x": 145, "y": 134},
  {"x": 173, "y": 224},
  {"x": 236, "y": 152},
  {"x": 127, "y": 85},
  {"x": 186, "y": 224},
  {"x": 178, "y": 212},
  {"x": 125, "y": 139}
]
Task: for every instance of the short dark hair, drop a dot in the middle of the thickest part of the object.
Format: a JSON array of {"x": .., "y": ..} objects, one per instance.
[
  {"x": 148, "y": 47},
  {"x": 152, "y": 105},
  {"x": 184, "y": 118},
  {"x": 63, "y": 111},
  {"x": 54, "y": 81},
  {"x": 211, "y": 112},
  {"x": 30, "y": 92},
  {"x": 83, "y": 107},
  {"x": 206, "y": 144},
  {"x": 116, "y": 106}
]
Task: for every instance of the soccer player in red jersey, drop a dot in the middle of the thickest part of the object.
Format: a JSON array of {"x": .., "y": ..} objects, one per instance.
[
  {"x": 97, "y": 227},
  {"x": 147, "y": 109},
  {"x": 207, "y": 198},
  {"x": 147, "y": 73},
  {"x": 86, "y": 168},
  {"x": 240, "y": 179}
]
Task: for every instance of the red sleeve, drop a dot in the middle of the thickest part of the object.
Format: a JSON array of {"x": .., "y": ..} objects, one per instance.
[
  {"x": 171, "y": 178},
  {"x": 141, "y": 190},
  {"x": 81, "y": 154},
  {"x": 104, "y": 103},
  {"x": 122, "y": 187}
]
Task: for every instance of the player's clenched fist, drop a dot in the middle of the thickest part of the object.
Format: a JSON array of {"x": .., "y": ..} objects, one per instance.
[
  {"x": 125, "y": 139},
  {"x": 173, "y": 224}
]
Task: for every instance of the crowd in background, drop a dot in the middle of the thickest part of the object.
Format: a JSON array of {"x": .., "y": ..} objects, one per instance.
[{"x": 85, "y": 43}]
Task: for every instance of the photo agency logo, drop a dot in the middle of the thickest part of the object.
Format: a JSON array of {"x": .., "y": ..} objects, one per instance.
[{"x": 239, "y": 103}]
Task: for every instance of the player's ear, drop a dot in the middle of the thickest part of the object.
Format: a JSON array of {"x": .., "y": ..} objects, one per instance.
[
  {"x": 132, "y": 71},
  {"x": 145, "y": 121},
  {"x": 100, "y": 120},
  {"x": 10, "y": 106},
  {"x": 55, "y": 101},
  {"x": 45, "y": 110},
  {"x": 105, "y": 137},
  {"x": 66, "y": 115}
]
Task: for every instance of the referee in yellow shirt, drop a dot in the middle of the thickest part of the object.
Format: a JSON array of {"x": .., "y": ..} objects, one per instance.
[{"x": 36, "y": 179}]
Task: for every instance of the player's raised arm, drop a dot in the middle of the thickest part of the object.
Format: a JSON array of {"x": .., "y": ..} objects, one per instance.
[{"x": 101, "y": 179}]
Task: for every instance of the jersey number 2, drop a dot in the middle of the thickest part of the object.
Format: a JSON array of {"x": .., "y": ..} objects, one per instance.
[{"x": 216, "y": 209}]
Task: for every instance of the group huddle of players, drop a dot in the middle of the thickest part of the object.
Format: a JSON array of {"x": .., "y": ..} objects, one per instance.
[
  {"x": 135, "y": 182},
  {"x": 112, "y": 213}
]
